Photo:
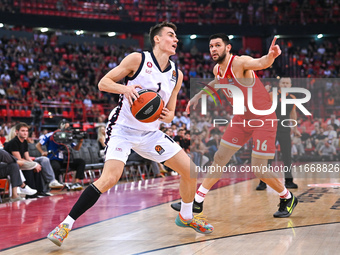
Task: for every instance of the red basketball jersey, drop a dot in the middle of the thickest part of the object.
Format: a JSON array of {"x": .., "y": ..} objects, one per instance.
[{"x": 261, "y": 98}]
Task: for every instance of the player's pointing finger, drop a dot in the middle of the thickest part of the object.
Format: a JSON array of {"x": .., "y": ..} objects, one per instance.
[{"x": 274, "y": 40}]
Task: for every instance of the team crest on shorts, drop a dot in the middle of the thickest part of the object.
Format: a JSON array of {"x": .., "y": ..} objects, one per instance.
[
  {"x": 234, "y": 140},
  {"x": 159, "y": 149}
]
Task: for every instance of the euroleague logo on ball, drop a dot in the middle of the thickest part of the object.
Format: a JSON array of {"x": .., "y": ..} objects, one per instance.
[
  {"x": 140, "y": 100},
  {"x": 149, "y": 64}
]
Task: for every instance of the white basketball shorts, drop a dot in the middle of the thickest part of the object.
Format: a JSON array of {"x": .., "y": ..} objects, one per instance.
[{"x": 153, "y": 145}]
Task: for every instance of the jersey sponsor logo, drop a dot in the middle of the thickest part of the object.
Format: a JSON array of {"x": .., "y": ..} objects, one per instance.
[
  {"x": 174, "y": 76},
  {"x": 159, "y": 149},
  {"x": 119, "y": 149},
  {"x": 149, "y": 64},
  {"x": 230, "y": 79}
]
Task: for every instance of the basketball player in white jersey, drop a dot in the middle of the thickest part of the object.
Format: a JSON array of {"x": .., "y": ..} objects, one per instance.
[{"x": 148, "y": 70}]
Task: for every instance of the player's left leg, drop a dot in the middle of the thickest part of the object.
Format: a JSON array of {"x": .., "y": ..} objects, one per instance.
[
  {"x": 112, "y": 171},
  {"x": 287, "y": 200},
  {"x": 263, "y": 149}
]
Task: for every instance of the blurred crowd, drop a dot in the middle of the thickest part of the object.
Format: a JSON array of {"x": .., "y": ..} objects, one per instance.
[
  {"x": 40, "y": 70},
  {"x": 199, "y": 11}
]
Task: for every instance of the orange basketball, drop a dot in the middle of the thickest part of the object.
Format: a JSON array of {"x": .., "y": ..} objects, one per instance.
[{"x": 148, "y": 107}]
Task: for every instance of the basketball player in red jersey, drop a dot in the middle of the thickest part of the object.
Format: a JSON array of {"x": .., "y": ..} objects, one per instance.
[
  {"x": 147, "y": 70},
  {"x": 239, "y": 71}
]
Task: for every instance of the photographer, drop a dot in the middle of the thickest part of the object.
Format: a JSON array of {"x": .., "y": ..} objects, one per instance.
[{"x": 59, "y": 153}]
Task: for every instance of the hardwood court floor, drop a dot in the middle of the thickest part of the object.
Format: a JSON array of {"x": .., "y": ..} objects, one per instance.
[{"x": 137, "y": 219}]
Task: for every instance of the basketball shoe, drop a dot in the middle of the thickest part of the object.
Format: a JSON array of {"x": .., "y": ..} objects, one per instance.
[
  {"x": 262, "y": 186},
  {"x": 196, "y": 207},
  {"x": 58, "y": 234},
  {"x": 290, "y": 184},
  {"x": 286, "y": 207},
  {"x": 197, "y": 223}
]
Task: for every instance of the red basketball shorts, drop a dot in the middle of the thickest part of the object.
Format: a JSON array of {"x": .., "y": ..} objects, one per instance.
[{"x": 262, "y": 130}]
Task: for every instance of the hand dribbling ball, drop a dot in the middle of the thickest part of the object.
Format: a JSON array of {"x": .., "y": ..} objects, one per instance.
[{"x": 148, "y": 107}]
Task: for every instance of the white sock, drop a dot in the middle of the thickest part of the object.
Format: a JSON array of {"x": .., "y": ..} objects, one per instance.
[
  {"x": 69, "y": 221},
  {"x": 200, "y": 194},
  {"x": 285, "y": 194},
  {"x": 186, "y": 210}
]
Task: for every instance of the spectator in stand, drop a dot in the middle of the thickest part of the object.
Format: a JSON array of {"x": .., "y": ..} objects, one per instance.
[
  {"x": 213, "y": 145},
  {"x": 177, "y": 119},
  {"x": 334, "y": 122},
  {"x": 59, "y": 159},
  {"x": 44, "y": 74},
  {"x": 37, "y": 114},
  {"x": 296, "y": 140},
  {"x": 18, "y": 147},
  {"x": 46, "y": 168},
  {"x": 88, "y": 103},
  {"x": 179, "y": 138},
  {"x": 327, "y": 151},
  {"x": 184, "y": 119},
  {"x": 198, "y": 150},
  {"x": 330, "y": 132},
  {"x": 10, "y": 167},
  {"x": 186, "y": 142},
  {"x": 304, "y": 135},
  {"x": 2, "y": 138}
]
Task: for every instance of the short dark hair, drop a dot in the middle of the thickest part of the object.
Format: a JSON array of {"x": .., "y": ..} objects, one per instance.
[
  {"x": 20, "y": 125},
  {"x": 155, "y": 30},
  {"x": 223, "y": 36}
]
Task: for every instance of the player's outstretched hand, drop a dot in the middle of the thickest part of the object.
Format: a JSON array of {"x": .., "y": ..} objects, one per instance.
[
  {"x": 193, "y": 102},
  {"x": 131, "y": 93},
  {"x": 274, "y": 50}
]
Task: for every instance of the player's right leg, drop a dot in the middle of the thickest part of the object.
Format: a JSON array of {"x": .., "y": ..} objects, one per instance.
[
  {"x": 221, "y": 158},
  {"x": 112, "y": 171},
  {"x": 182, "y": 164}
]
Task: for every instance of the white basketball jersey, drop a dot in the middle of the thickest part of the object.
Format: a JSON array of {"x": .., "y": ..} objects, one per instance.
[{"x": 149, "y": 76}]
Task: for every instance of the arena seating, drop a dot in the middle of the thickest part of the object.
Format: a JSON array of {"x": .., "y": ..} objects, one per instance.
[{"x": 191, "y": 11}]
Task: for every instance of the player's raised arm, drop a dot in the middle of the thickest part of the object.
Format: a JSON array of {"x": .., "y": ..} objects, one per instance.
[
  {"x": 128, "y": 66},
  {"x": 249, "y": 63}
]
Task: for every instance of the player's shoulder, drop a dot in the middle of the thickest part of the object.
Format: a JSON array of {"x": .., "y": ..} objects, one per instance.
[
  {"x": 134, "y": 56},
  {"x": 215, "y": 69},
  {"x": 241, "y": 59},
  {"x": 132, "y": 61}
]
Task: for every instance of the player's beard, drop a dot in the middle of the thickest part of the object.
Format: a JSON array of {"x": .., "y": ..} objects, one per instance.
[{"x": 221, "y": 58}]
